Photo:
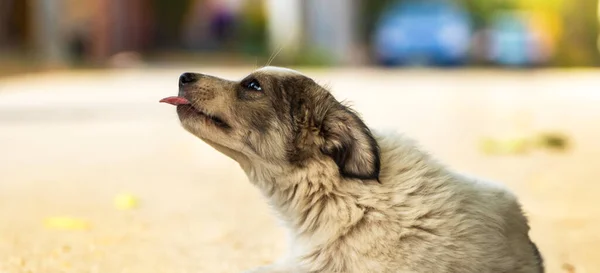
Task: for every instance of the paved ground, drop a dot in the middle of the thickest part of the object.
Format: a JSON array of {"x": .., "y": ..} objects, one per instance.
[{"x": 70, "y": 142}]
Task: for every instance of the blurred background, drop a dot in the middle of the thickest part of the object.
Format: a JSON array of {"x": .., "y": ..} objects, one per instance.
[
  {"x": 358, "y": 32},
  {"x": 97, "y": 176}
]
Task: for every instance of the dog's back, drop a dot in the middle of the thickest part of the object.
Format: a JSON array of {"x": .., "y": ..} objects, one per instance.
[{"x": 451, "y": 222}]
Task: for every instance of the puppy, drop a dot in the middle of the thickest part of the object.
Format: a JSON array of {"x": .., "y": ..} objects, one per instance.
[{"x": 353, "y": 200}]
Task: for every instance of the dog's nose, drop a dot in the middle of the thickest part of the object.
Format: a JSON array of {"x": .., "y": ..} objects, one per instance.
[{"x": 187, "y": 78}]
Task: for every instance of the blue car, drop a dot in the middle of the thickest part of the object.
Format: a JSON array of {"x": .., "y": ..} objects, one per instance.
[
  {"x": 512, "y": 41},
  {"x": 422, "y": 32}
]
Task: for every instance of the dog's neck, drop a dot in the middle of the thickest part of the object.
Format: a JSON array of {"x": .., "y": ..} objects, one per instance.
[{"x": 313, "y": 201}]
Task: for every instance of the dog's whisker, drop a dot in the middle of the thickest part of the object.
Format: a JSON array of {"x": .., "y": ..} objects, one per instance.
[{"x": 274, "y": 55}]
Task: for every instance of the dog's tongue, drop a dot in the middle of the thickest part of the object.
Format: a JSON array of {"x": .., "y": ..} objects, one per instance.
[{"x": 175, "y": 100}]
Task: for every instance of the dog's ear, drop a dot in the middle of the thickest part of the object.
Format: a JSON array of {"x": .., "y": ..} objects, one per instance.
[{"x": 350, "y": 143}]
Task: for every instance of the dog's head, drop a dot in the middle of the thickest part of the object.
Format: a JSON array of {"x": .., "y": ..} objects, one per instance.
[{"x": 276, "y": 116}]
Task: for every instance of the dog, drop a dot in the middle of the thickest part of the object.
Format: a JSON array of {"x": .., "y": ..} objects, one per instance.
[{"x": 354, "y": 200}]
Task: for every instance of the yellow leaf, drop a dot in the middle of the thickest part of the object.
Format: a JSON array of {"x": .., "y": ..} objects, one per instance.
[
  {"x": 504, "y": 146},
  {"x": 66, "y": 223},
  {"x": 125, "y": 201}
]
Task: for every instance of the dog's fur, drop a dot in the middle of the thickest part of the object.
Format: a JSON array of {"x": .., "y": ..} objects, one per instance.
[{"x": 354, "y": 201}]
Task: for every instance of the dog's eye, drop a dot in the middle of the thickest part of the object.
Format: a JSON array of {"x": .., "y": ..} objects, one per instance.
[{"x": 253, "y": 85}]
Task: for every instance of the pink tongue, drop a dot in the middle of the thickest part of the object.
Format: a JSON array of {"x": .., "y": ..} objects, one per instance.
[{"x": 175, "y": 100}]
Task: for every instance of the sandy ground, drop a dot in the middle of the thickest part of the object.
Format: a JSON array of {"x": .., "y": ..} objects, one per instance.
[{"x": 70, "y": 142}]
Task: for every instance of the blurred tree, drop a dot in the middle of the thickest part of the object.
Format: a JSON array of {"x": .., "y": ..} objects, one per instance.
[
  {"x": 252, "y": 28},
  {"x": 579, "y": 44},
  {"x": 15, "y": 28},
  {"x": 168, "y": 17},
  {"x": 482, "y": 11},
  {"x": 573, "y": 25},
  {"x": 369, "y": 13}
]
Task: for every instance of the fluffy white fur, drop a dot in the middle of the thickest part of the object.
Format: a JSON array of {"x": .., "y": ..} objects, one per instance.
[{"x": 422, "y": 218}]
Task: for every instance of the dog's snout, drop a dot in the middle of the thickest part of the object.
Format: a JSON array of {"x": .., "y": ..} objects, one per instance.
[{"x": 187, "y": 78}]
